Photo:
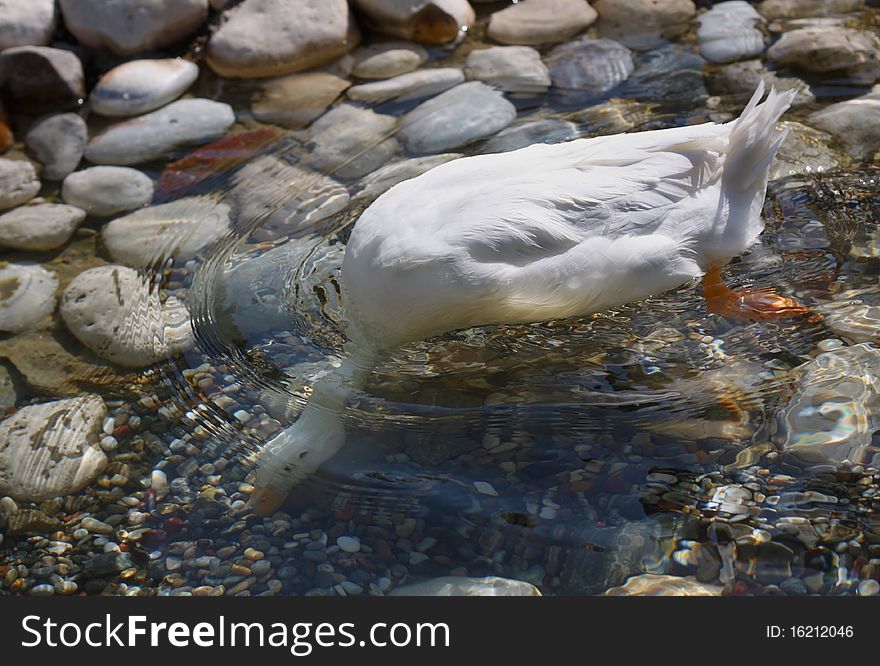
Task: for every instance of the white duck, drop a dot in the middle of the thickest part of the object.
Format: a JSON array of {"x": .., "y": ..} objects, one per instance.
[{"x": 544, "y": 232}]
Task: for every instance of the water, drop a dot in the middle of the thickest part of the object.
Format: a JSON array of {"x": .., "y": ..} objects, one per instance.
[{"x": 655, "y": 437}]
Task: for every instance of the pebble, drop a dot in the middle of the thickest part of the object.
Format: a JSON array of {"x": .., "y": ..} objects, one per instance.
[
  {"x": 738, "y": 81},
  {"x": 728, "y": 32},
  {"x": 540, "y": 21},
  {"x": 804, "y": 151},
  {"x": 869, "y": 588},
  {"x": 643, "y": 24},
  {"x": 485, "y": 488},
  {"x": 461, "y": 115},
  {"x": 58, "y": 143},
  {"x": 348, "y": 544},
  {"x": 180, "y": 229},
  {"x": 549, "y": 130},
  {"x": 154, "y": 135},
  {"x": 253, "y": 554},
  {"x": 159, "y": 484},
  {"x": 39, "y": 227},
  {"x": 107, "y": 190},
  {"x": 791, "y": 9},
  {"x": 273, "y": 37},
  {"x": 96, "y": 526},
  {"x": 513, "y": 69},
  {"x": 588, "y": 68},
  {"x": 386, "y": 59},
  {"x": 42, "y": 591},
  {"x": 350, "y": 141},
  {"x": 18, "y": 182},
  {"x": 462, "y": 586},
  {"x": 99, "y": 24},
  {"x": 27, "y": 295},
  {"x": 657, "y": 585},
  {"x": 383, "y": 179},
  {"x": 296, "y": 100},
  {"x": 50, "y": 449},
  {"x": 100, "y": 302},
  {"x": 40, "y": 78},
  {"x": 140, "y": 86},
  {"x": 826, "y": 49},
  {"x": 431, "y": 22},
  {"x": 406, "y": 87},
  {"x": 27, "y": 23},
  {"x": 855, "y": 123}
]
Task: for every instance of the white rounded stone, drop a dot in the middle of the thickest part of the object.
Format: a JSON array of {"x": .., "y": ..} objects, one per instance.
[
  {"x": 514, "y": 69},
  {"x": 387, "y": 59},
  {"x": 26, "y": 22},
  {"x": 27, "y": 295},
  {"x": 50, "y": 450},
  {"x": 39, "y": 227},
  {"x": 58, "y": 142},
  {"x": 540, "y": 21},
  {"x": 117, "y": 314},
  {"x": 644, "y": 24},
  {"x": 414, "y": 85},
  {"x": 140, "y": 86},
  {"x": 107, "y": 190},
  {"x": 18, "y": 182}
]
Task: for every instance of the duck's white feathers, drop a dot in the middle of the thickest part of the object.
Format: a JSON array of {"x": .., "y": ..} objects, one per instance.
[{"x": 560, "y": 230}]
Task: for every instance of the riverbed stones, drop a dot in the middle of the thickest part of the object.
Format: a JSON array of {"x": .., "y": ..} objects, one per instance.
[
  {"x": 406, "y": 87},
  {"x": 140, "y": 86},
  {"x": 117, "y": 314},
  {"x": 729, "y": 32},
  {"x": 540, "y": 21},
  {"x": 26, "y": 22},
  {"x": 431, "y": 22},
  {"x": 39, "y": 227},
  {"x": 660, "y": 585},
  {"x": 350, "y": 141},
  {"x": 18, "y": 182},
  {"x": 27, "y": 295},
  {"x": 805, "y": 150},
  {"x": 830, "y": 48},
  {"x": 835, "y": 411},
  {"x": 463, "y": 586},
  {"x": 855, "y": 123},
  {"x": 386, "y": 59},
  {"x": 295, "y": 100},
  {"x": 738, "y": 80},
  {"x": 180, "y": 229},
  {"x": 587, "y": 68},
  {"x": 50, "y": 449},
  {"x": 463, "y": 114},
  {"x": 41, "y": 78},
  {"x": 154, "y": 135},
  {"x": 58, "y": 143},
  {"x": 275, "y": 37},
  {"x": 513, "y": 69},
  {"x": 795, "y": 9},
  {"x": 643, "y": 24},
  {"x": 107, "y": 190},
  {"x": 128, "y": 27}
]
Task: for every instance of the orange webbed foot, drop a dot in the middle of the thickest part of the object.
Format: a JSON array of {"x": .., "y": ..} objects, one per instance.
[{"x": 750, "y": 304}]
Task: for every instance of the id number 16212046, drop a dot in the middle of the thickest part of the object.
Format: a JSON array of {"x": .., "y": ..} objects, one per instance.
[{"x": 810, "y": 631}]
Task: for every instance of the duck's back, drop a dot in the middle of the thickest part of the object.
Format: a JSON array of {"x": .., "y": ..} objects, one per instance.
[{"x": 559, "y": 230}]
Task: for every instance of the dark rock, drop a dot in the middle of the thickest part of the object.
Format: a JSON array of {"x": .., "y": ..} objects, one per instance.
[{"x": 40, "y": 78}]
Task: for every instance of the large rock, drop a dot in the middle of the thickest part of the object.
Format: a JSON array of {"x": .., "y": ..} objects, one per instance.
[
  {"x": 26, "y": 22},
  {"x": 127, "y": 27},
  {"x": 738, "y": 81},
  {"x": 855, "y": 123},
  {"x": 107, "y": 190},
  {"x": 804, "y": 151},
  {"x": 423, "y": 21},
  {"x": 350, "y": 142},
  {"x": 140, "y": 86},
  {"x": 514, "y": 69},
  {"x": 587, "y": 68},
  {"x": 386, "y": 59},
  {"x": 39, "y": 227},
  {"x": 51, "y": 449},
  {"x": 643, "y": 24},
  {"x": 117, "y": 314},
  {"x": 540, "y": 21},
  {"x": 828, "y": 49},
  {"x": 40, "y": 78},
  {"x": 180, "y": 229},
  {"x": 729, "y": 32},
  {"x": 414, "y": 85},
  {"x": 27, "y": 295},
  {"x": 460, "y": 586},
  {"x": 275, "y": 37},
  {"x": 154, "y": 135},
  {"x": 459, "y": 116},
  {"x": 835, "y": 412},
  {"x": 793, "y": 9},
  {"x": 58, "y": 143},
  {"x": 18, "y": 182}
]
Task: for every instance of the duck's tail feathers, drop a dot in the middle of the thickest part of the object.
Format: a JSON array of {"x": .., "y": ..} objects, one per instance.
[{"x": 754, "y": 141}]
